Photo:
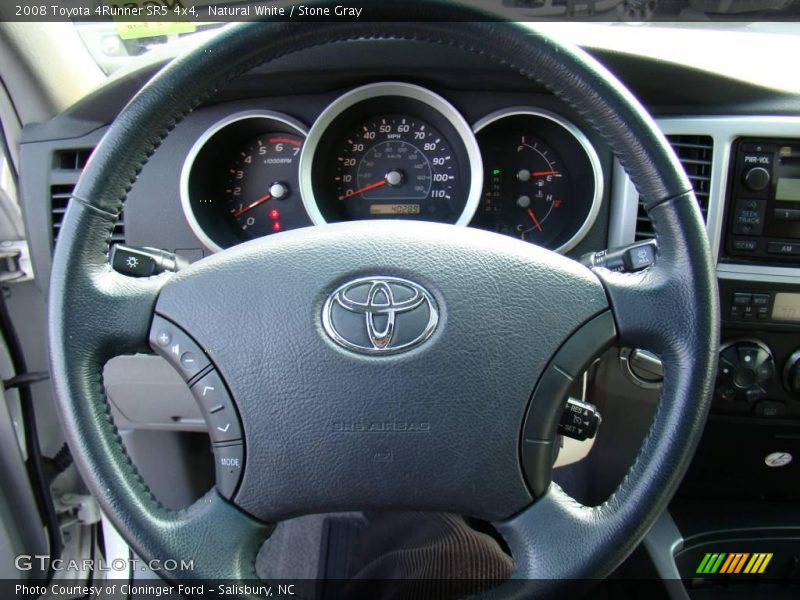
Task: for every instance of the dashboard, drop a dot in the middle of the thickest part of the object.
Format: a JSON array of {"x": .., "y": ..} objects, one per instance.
[
  {"x": 385, "y": 129},
  {"x": 393, "y": 150}
]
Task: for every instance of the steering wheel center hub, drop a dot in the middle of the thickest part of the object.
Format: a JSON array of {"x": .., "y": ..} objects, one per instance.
[{"x": 404, "y": 377}]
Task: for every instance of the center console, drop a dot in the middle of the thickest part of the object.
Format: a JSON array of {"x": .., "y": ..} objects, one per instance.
[
  {"x": 750, "y": 451},
  {"x": 759, "y": 369},
  {"x": 743, "y": 486},
  {"x": 751, "y": 448}
]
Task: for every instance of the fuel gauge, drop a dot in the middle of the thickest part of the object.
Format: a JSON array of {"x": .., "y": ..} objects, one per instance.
[
  {"x": 526, "y": 190},
  {"x": 541, "y": 182}
]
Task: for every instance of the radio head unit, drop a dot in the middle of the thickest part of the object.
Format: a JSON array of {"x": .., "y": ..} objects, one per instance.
[{"x": 762, "y": 222}]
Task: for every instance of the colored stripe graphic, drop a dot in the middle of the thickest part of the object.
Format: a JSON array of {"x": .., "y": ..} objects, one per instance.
[
  {"x": 703, "y": 563},
  {"x": 733, "y": 563},
  {"x": 711, "y": 562},
  {"x": 758, "y": 563},
  {"x": 740, "y": 562},
  {"x": 728, "y": 562}
]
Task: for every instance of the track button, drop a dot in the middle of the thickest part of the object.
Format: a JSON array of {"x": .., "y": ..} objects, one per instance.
[
  {"x": 228, "y": 464},
  {"x": 220, "y": 413}
]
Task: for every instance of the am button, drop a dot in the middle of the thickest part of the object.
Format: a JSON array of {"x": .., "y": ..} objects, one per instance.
[{"x": 785, "y": 248}]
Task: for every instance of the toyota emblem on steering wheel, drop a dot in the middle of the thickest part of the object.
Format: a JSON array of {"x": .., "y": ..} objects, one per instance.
[{"x": 380, "y": 315}]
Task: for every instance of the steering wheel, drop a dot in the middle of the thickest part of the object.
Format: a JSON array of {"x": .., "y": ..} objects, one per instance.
[{"x": 463, "y": 421}]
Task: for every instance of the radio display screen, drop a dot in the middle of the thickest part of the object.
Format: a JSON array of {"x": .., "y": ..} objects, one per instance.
[
  {"x": 786, "y": 307},
  {"x": 788, "y": 189}
]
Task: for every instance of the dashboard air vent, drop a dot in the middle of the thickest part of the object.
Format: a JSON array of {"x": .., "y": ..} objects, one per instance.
[
  {"x": 695, "y": 153},
  {"x": 71, "y": 160},
  {"x": 59, "y": 198},
  {"x": 67, "y": 167}
]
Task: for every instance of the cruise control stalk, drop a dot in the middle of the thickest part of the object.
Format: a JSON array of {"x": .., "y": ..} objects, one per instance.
[{"x": 626, "y": 259}]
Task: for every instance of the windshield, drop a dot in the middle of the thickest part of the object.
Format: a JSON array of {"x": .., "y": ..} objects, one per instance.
[
  {"x": 112, "y": 45},
  {"x": 115, "y": 41}
]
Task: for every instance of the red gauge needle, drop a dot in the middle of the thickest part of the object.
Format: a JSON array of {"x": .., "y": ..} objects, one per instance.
[
  {"x": 252, "y": 205},
  {"x": 366, "y": 188},
  {"x": 532, "y": 215},
  {"x": 544, "y": 173}
]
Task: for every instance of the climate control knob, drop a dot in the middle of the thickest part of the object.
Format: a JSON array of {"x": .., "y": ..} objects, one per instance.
[
  {"x": 791, "y": 374},
  {"x": 744, "y": 368}
]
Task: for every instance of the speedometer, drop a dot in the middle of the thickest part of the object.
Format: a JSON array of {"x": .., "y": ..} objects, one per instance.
[
  {"x": 396, "y": 166},
  {"x": 391, "y": 150}
]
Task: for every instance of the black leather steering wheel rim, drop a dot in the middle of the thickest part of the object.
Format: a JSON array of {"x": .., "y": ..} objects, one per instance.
[{"x": 671, "y": 309}]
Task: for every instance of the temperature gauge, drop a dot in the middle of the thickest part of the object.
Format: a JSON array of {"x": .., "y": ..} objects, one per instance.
[
  {"x": 525, "y": 195},
  {"x": 541, "y": 184}
]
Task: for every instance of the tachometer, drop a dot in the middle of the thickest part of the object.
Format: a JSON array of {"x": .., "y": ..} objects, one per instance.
[
  {"x": 391, "y": 150},
  {"x": 262, "y": 180},
  {"x": 240, "y": 179}
]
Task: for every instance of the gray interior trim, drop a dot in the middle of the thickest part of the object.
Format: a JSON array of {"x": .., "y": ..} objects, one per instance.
[
  {"x": 661, "y": 543},
  {"x": 45, "y": 67},
  {"x": 764, "y": 273},
  {"x": 23, "y": 531},
  {"x": 12, "y": 128},
  {"x": 147, "y": 393},
  {"x": 116, "y": 549},
  {"x": 624, "y": 208},
  {"x": 11, "y": 225},
  {"x": 36, "y": 178}
]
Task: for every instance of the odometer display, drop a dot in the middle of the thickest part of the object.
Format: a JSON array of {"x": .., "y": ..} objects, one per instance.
[{"x": 394, "y": 209}]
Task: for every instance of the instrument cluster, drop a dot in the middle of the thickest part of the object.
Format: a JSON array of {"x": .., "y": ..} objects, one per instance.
[{"x": 393, "y": 151}]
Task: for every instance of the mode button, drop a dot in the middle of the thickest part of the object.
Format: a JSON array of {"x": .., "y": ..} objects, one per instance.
[{"x": 229, "y": 464}]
